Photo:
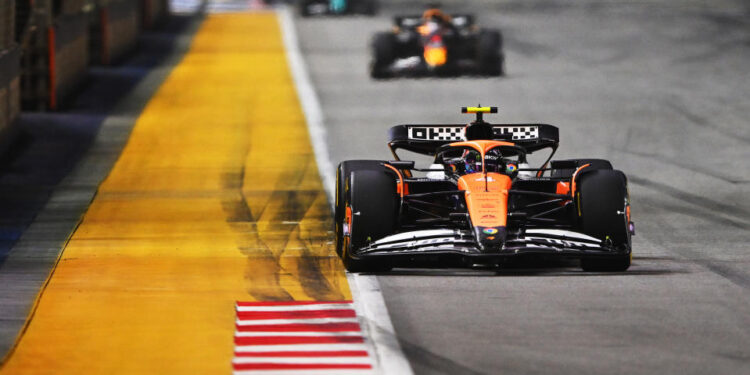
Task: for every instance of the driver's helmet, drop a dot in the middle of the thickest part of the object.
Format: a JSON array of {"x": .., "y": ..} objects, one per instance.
[
  {"x": 469, "y": 162},
  {"x": 472, "y": 161},
  {"x": 494, "y": 162}
]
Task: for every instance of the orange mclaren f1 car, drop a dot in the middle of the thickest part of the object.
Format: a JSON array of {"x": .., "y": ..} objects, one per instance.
[{"x": 480, "y": 203}]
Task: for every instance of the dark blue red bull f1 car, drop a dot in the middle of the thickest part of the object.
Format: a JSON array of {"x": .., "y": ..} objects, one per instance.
[{"x": 437, "y": 44}]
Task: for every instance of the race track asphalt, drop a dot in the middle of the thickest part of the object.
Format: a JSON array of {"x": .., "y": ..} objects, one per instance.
[{"x": 660, "y": 88}]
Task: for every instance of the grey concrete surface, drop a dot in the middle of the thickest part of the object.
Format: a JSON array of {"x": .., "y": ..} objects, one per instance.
[
  {"x": 658, "y": 87},
  {"x": 51, "y": 176}
]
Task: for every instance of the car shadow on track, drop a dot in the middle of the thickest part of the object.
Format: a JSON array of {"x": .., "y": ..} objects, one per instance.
[{"x": 642, "y": 266}]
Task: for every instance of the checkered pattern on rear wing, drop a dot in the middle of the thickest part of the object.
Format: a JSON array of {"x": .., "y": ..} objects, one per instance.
[{"x": 456, "y": 133}]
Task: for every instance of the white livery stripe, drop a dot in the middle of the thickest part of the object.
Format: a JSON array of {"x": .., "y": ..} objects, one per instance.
[
  {"x": 560, "y": 232},
  {"x": 299, "y": 347},
  {"x": 255, "y": 322},
  {"x": 305, "y": 360},
  {"x": 322, "y": 306}
]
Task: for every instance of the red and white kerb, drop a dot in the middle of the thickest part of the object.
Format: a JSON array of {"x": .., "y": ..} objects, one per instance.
[{"x": 299, "y": 337}]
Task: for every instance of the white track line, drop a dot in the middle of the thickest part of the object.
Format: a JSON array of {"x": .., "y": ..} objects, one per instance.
[
  {"x": 299, "y": 348},
  {"x": 368, "y": 300},
  {"x": 308, "y": 99},
  {"x": 377, "y": 324},
  {"x": 255, "y": 322},
  {"x": 305, "y": 360},
  {"x": 328, "y": 306}
]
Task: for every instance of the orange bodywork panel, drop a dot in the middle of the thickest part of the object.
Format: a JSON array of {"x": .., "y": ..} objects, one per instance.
[
  {"x": 348, "y": 221},
  {"x": 487, "y": 201},
  {"x": 482, "y": 146},
  {"x": 435, "y": 56},
  {"x": 573, "y": 179},
  {"x": 401, "y": 187}
]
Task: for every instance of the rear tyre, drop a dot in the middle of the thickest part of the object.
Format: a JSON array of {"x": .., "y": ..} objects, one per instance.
[
  {"x": 304, "y": 11},
  {"x": 603, "y": 200},
  {"x": 366, "y": 7},
  {"x": 374, "y": 206},
  {"x": 343, "y": 172},
  {"x": 490, "y": 57},
  {"x": 383, "y": 54}
]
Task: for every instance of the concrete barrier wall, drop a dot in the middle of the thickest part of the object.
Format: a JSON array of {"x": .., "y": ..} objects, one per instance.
[
  {"x": 14, "y": 94},
  {"x": 71, "y": 56},
  {"x": 67, "y": 7},
  {"x": 54, "y": 57},
  {"x": 153, "y": 12},
  {"x": 10, "y": 58},
  {"x": 114, "y": 30},
  {"x": 123, "y": 28},
  {"x": 10, "y": 105},
  {"x": 7, "y": 23},
  {"x": 63, "y": 34}
]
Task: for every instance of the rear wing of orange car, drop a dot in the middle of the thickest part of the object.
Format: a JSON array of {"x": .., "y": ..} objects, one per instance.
[{"x": 427, "y": 138}]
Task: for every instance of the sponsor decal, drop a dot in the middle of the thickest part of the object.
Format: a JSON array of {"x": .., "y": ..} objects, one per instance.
[
  {"x": 456, "y": 133},
  {"x": 518, "y": 132},
  {"x": 489, "y": 217},
  {"x": 433, "y": 133},
  {"x": 490, "y": 238},
  {"x": 490, "y": 231}
]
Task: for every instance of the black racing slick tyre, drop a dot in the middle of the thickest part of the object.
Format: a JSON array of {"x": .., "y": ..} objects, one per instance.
[
  {"x": 366, "y": 7},
  {"x": 373, "y": 203},
  {"x": 383, "y": 54},
  {"x": 575, "y": 163},
  {"x": 343, "y": 172},
  {"x": 304, "y": 10},
  {"x": 490, "y": 59},
  {"x": 602, "y": 202}
]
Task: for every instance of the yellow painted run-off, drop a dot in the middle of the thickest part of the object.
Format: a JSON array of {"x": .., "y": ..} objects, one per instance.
[{"x": 216, "y": 198}]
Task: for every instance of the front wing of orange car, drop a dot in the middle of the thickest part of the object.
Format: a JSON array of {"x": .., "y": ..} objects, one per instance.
[{"x": 460, "y": 246}]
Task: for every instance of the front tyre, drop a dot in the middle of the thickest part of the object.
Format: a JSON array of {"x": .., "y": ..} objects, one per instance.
[
  {"x": 371, "y": 211},
  {"x": 343, "y": 171},
  {"x": 602, "y": 203},
  {"x": 383, "y": 55},
  {"x": 573, "y": 164}
]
